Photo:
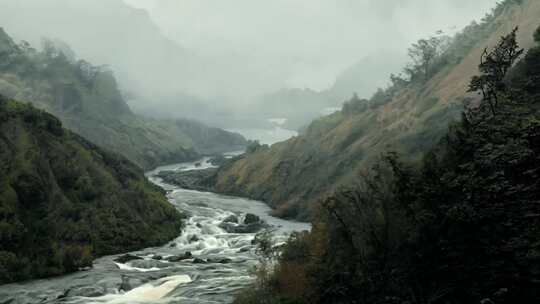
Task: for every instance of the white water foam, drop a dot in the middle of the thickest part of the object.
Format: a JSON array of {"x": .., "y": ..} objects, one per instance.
[
  {"x": 131, "y": 268},
  {"x": 150, "y": 292}
]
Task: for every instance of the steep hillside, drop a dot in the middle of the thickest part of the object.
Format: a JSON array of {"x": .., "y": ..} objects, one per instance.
[
  {"x": 64, "y": 201},
  {"x": 408, "y": 117},
  {"x": 460, "y": 226},
  {"x": 88, "y": 101}
]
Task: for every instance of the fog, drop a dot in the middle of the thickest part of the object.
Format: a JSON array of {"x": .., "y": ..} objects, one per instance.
[
  {"x": 309, "y": 41},
  {"x": 225, "y": 62}
]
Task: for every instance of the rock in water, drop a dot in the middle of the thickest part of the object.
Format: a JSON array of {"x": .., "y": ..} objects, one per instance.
[
  {"x": 219, "y": 260},
  {"x": 199, "y": 261},
  {"x": 193, "y": 239},
  {"x": 241, "y": 228},
  {"x": 251, "y": 224},
  {"x": 85, "y": 291},
  {"x": 231, "y": 219},
  {"x": 251, "y": 218},
  {"x": 147, "y": 264},
  {"x": 178, "y": 258},
  {"x": 129, "y": 283},
  {"x": 126, "y": 258}
]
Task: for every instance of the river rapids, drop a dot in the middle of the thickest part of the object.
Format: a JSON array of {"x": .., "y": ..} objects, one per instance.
[{"x": 149, "y": 280}]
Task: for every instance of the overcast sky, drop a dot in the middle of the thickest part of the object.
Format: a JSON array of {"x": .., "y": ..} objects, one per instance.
[
  {"x": 189, "y": 58},
  {"x": 309, "y": 41}
]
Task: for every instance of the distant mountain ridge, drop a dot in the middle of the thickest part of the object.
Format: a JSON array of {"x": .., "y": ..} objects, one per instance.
[{"x": 88, "y": 101}]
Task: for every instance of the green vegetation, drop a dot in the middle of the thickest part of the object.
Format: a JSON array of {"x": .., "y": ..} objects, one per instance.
[
  {"x": 462, "y": 225},
  {"x": 88, "y": 101},
  {"x": 65, "y": 201},
  {"x": 410, "y": 117}
]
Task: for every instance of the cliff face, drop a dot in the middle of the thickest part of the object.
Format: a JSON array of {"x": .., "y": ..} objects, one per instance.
[
  {"x": 291, "y": 175},
  {"x": 64, "y": 201}
]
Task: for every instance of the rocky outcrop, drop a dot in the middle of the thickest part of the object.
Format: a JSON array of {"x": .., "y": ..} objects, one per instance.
[{"x": 251, "y": 224}]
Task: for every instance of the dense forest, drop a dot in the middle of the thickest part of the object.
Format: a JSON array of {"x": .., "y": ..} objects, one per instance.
[
  {"x": 64, "y": 201},
  {"x": 461, "y": 225}
]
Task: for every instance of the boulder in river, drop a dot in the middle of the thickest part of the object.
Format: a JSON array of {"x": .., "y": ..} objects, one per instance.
[
  {"x": 157, "y": 257},
  {"x": 251, "y": 218},
  {"x": 178, "y": 258},
  {"x": 126, "y": 258},
  {"x": 199, "y": 261},
  {"x": 251, "y": 224},
  {"x": 242, "y": 228},
  {"x": 193, "y": 238},
  {"x": 231, "y": 219},
  {"x": 219, "y": 260},
  {"x": 85, "y": 291},
  {"x": 244, "y": 249},
  {"x": 128, "y": 283},
  {"x": 147, "y": 264}
]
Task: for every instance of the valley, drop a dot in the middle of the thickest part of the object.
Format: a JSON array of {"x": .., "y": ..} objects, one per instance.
[{"x": 255, "y": 152}]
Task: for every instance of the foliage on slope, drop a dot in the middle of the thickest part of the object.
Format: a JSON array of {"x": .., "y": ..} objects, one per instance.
[
  {"x": 88, "y": 101},
  {"x": 460, "y": 226},
  {"x": 410, "y": 116},
  {"x": 64, "y": 201}
]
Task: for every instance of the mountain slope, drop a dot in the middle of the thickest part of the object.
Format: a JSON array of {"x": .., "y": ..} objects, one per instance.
[
  {"x": 408, "y": 117},
  {"x": 459, "y": 226},
  {"x": 64, "y": 201},
  {"x": 115, "y": 40},
  {"x": 88, "y": 101}
]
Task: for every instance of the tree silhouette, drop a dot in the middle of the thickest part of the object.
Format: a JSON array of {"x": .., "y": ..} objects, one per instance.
[{"x": 494, "y": 66}]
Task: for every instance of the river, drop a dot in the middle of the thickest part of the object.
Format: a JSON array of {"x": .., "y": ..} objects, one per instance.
[{"x": 153, "y": 281}]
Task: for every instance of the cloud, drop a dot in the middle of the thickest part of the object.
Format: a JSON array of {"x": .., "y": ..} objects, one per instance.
[{"x": 310, "y": 41}]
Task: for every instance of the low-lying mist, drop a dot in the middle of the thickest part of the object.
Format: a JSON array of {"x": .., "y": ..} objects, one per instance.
[{"x": 237, "y": 64}]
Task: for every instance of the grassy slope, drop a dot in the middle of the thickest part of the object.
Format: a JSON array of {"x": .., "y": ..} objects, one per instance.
[
  {"x": 335, "y": 148},
  {"x": 64, "y": 201}
]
